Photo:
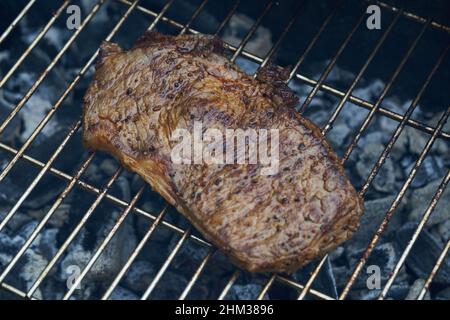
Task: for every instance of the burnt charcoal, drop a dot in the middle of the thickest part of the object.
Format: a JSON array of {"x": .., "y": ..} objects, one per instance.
[
  {"x": 415, "y": 289},
  {"x": 398, "y": 291},
  {"x": 384, "y": 256},
  {"x": 424, "y": 253},
  {"x": 428, "y": 171},
  {"x": 325, "y": 281},
  {"x": 139, "y": 276},
  {"x": 170, "y": 286},
  {"x": 244, "y": 292},
  {"x": 375, "y": 211},
  {"x": 443, "y": 294},
  {"x": 419, "y": 200},
  {"x": 121, "y": 293}
]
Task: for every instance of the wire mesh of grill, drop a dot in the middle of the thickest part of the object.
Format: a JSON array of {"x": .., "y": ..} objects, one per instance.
[{"x": 75, "y": 180}]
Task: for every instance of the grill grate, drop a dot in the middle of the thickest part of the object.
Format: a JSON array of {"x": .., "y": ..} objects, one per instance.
[{"x": 159, "y": 220}]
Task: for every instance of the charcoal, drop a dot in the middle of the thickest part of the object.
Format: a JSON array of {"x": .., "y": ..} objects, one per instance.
[
  {"x": 397, "y": 291},
  {"x": 338, "y": 136},
  {"x": 443, "y": 294},
  {"x": 244, "y": 292},
  {"x": 139, "y": 276},
  {"x": 170, "y": 286},
  {"x": 428, "y": 171},
  {"x": 415, "y": 289},
  {"x": 384, "y": 182},
  {"x": 375, "y": 211},
  {"x": 325, "y": 281},
  {"x": 121, "y": 293},
  {"x": 59, "y": 217},
  {"x": 444, "y": 230},
  {"x": 419, "y": 200},
  {"x": 424, "y": 253},
  {"x": 384, "y": 256},
  {"x": 239, "y": 23}
]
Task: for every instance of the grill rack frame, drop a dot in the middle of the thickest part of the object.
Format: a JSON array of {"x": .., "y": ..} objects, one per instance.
[{"x": 403, "y": 120}]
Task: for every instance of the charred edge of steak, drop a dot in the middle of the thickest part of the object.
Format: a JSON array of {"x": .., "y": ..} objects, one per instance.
[{"x": 185, "y": 44}]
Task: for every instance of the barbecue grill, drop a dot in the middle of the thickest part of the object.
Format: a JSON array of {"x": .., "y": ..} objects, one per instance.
[{"x": 77, "y": 180}]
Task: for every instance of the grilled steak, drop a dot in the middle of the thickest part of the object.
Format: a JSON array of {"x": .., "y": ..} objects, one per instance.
[{"x": 272, "y": 222}]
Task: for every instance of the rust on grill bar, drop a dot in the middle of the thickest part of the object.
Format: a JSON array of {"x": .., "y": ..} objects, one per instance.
[{"x": 435, "y": 132}]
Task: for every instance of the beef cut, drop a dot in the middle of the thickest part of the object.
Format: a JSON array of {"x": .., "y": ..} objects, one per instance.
[{"x": 264, "y": 222}]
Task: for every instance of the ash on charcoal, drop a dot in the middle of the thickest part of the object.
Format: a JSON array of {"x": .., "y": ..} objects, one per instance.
[
  {"x": 444, "y": 230},
  {"x": 32, "y": 268},
  {"x": 415, "y": 289},
  {"x": 18, "y": 221},
  {"x": 397, "y": 291},
  {"x": 245, "y": 292},
  {"x": 430, "y": 169},
  {"x": 139, "y": 276},
  {"x": 121, "y": 293},
  {"x": 385, "y": 179},
  {"x": 385, "y": 256},
  {"x": 59, "y": 217},
  {"x": 325, "y": 281},
  {"x": 336, "y": 253},
  {"x": 170, "y": 286},
  {"x": 339, "y": 134},
  {"x": 10, "y": 245},
  {"x": 112, "y": 258},
  {"x": 374, "y": 213},
  {"x": 238, "y": 26},
  {"x": 419, "y": 200},
  {"x": 424, "y": 253}
]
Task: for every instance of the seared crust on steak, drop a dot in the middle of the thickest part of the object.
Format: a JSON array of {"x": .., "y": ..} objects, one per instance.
[{"x": 263, "y": 222}]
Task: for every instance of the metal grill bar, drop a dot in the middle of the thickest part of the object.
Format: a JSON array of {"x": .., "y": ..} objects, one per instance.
[
  {"x": 131, "y": 205},
  {"x": 301, "y": 110},
  {"x": 166, "y": 264},
  {"x": 384, "y": 154},
  {"x": 83, "y": 170},
  {"x": 240, "y": 48},
  {"x": 68, "y": 188},
  {"x": 134, "y": 255},
  {"x": 77, "y": 229},
  {"x": 44, "y": 74},
  {"x": 360, "y": 74},
  {"x": 196, "y": 274},
  {"x": 104, "y": 243},
  {"x": 330, "y": 66},
  {"x": 416, "y": 234},
  {"x": 311, "y": 82},
  {"x": 314, "y": 39},
  {"x": 413, "y": 16},
  {"x": 251, "y": 31},
  {"x": 229, "y": 284},
  {"x": 34, "y": 42},
  {"x": 383, "y": 95},
  {"x": 281, "y": 37},
  {"x": 394, "y": 206},
  {"x": 363, "y": 127},
  {"x": 434, "y": 271},
  {"x": 16, "y": 20},
  {"x": 88, "y": 187},
  {"x": 45, "y": 168}
]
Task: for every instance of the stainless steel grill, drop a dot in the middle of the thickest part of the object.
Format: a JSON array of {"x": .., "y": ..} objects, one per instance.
[{"x": 159, "y": 220}]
